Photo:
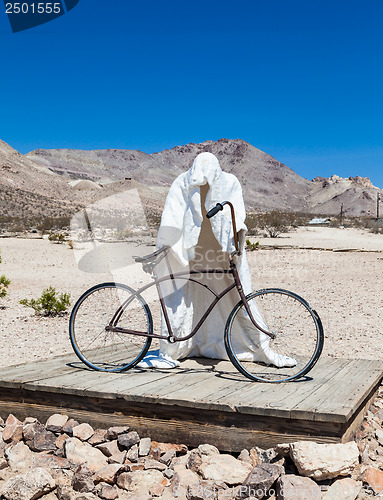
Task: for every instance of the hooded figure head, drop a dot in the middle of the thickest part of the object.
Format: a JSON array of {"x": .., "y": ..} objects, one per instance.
[{"x": 205, "y": 170}]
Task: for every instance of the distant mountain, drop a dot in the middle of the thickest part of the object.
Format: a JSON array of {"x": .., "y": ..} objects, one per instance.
[
  {"x": 357, "y": 194},
  {"x": 58, "y": 182},
  {"x": 267, "y": 184}
]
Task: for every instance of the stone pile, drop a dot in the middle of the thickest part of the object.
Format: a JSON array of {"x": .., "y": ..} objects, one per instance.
[{"x": 65, "y": 460}]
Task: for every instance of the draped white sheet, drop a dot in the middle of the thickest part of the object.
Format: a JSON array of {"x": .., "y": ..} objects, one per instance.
[{"x": 198, "y": 243}]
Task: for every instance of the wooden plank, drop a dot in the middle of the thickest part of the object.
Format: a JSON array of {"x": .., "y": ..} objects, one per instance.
[
  {"x": 184, "y": 391},
  {"x": 333, "y": 391},
  {"x": 353, "y": 390},
  {"x": 354, "y": 424},
  {"x": 16, "y": 375},
  {"x": 126, "y": 384},
  {"x": 272, "y": 399}
]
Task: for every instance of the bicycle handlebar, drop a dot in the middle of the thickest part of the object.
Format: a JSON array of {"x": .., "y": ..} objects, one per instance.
[{"x": 213, "y": 211}]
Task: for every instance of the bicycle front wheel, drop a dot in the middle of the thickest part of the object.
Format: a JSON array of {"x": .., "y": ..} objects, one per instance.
[
  {"x": 298, "y": 334},
  {"x": 105, "y": 305}
]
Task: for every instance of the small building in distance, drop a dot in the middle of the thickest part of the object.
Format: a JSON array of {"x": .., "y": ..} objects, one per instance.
[{"x": 319, "y": 221}]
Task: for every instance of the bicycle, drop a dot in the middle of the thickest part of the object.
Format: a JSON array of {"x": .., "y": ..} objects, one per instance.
[{"x": 111, "y": 325}]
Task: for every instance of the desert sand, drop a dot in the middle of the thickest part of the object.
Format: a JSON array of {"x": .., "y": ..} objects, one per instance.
[{"x": 344, "y": 286}]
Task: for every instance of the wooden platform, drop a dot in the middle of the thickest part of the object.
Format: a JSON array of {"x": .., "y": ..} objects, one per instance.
[{"x": 201, "y": 401}]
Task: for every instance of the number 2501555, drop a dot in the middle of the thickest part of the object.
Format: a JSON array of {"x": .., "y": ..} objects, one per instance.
[{"x": 33, "y": 8}]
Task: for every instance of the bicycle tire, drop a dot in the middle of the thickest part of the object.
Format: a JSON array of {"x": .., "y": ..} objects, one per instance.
[
  {"x": 104, "y": 350},
  {"x": 298, "y": 330}
]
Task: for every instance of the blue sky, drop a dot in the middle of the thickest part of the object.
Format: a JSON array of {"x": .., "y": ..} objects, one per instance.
[{"x": 300, "y": 80}]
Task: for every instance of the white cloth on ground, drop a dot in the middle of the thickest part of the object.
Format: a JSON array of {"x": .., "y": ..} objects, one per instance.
[{"x": 197, "y": 242}]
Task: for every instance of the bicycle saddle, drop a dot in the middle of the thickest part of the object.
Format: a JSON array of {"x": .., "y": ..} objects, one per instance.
[{"x": 151, "y": 257}]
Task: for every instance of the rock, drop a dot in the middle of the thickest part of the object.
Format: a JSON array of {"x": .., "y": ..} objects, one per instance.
[
  {"x": 260, "y": 480},
  {"x": 168, "y": 473},
  {"x": 292, "y": 487},
  {"x": 117, "y": 458},
  {"x": 374, "y": 478},
  {"x": 379, "y": 436},
  {"x": 82, "y": 480},
  {"x": 3, "y": 447},
  {"x": 183, "y": 479},
  {"x": 343, "y": 489},
  {"x": 283, "y": 449},
  {"x": 83, "y": 432},
  {"x": 157, "y": 489},
  {"x": 131, "y": 467},
  {"x": 128, "y": 440},
  {"x": 124, "y": 480},
  {"x": 208, "y": 449},
  {"x": 225, "y": 468},
  {"x": 144, "y": 447},
  {"x": 167, "y": 457},
  {"x": 139, "y": 483},
  {"x": 43, "y": 440},
  {"x": 208, "y": 490},
  {"x": 99, "y": 436},
  {"x": 324, "y": 461},
  {"x": 19, "y": 456},
  {"x": 56, "y": 422},
  {"x": 107, "y": 474},
  {"x": 256, "y": 458},
  {"x": 108, "y": 492},
  {"x": 264, "y": 456},
  {"x": 29, "y": 420},
  {"x": 379, "y": 416},
  {"x": 244, "y": 456},
  {"x": 154, "y": 464},
  {"x": 195, "y": 460},
  {"x": 64, "y": 492},
  {"x": 61, "y": 440},
  {"x": 68, "y": 427},
  {"x": 29, "y": 430},
  {"x": 155, "y": 453},
  {"x": 78, "y": 452},
  {"x": 132, "y": 454},
  {"x": 13, "y": 430},
  {"x": 180, "y": 449},
  {"x": 51, "y": 461},
  {"x": 86, "y": 496},
  {"x": 29, "y": 486},
  {"x": 109, "y": 448},
  {"x": 3, "y": 463},
  {"x": 114, "y": 432}
]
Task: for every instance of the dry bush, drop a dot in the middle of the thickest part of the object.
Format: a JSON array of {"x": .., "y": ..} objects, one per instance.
[
  {"x": 4, "y": 283},
  {"x": 272, "y": 224}
]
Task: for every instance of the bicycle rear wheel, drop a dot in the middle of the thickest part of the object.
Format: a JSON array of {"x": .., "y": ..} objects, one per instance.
[
  {"x": 99, "y": 307},
  {"x": 296, "y": 347}
]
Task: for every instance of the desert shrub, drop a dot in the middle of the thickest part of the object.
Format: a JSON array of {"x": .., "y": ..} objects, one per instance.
[
  {"x": 270, "y": 224},
  {"x": 56, "y": 237},
  {"x": 375, "y": 226},
  {"x": 4, "y": 283},
  {"x": 251, "y": 246},
  {"x": 124, "y": 234},
  {"x": 49, "y": 304},
  {"x": 50, "y": 223}
]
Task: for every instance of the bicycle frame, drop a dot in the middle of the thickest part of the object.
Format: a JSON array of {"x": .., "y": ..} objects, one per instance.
[{"x": 186, "y": 275}]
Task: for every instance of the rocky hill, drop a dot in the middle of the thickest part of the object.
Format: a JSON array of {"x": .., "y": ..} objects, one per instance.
[
  {"x": 57, "y": 182},
  {"x": 267, "y": 183}
]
